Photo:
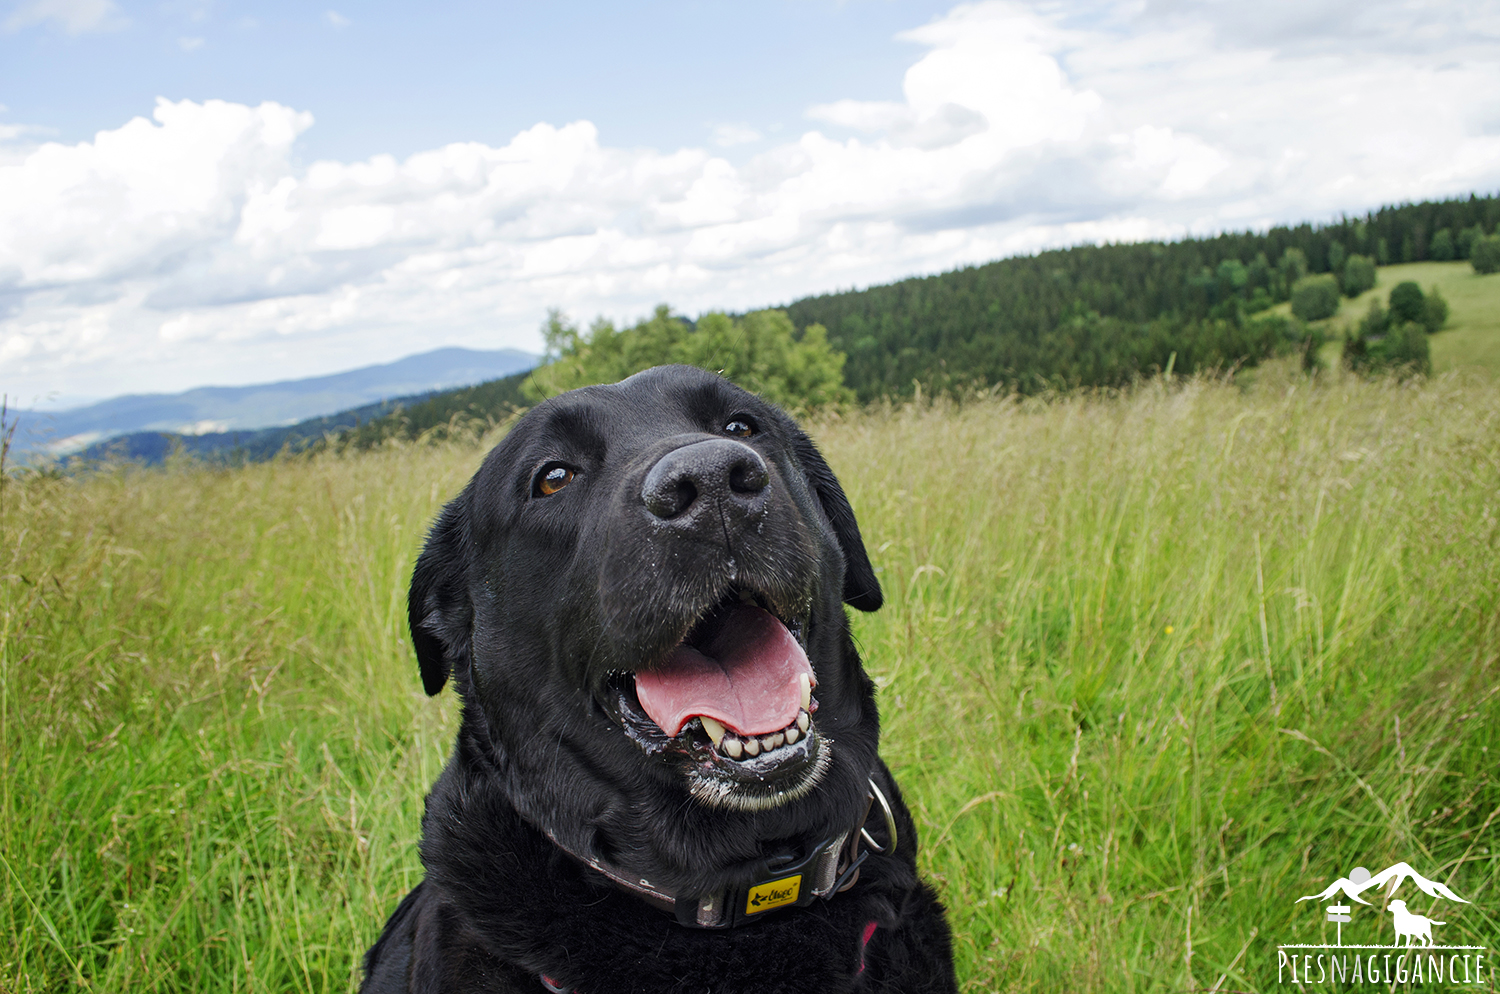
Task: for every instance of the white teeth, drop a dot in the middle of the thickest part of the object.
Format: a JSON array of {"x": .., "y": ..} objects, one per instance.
[
  {"x": 805, "y": 685},
  {"x": 735, "y": 746}
]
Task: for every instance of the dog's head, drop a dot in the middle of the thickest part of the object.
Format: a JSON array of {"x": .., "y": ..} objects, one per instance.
[{"x": 640, "y": 595}]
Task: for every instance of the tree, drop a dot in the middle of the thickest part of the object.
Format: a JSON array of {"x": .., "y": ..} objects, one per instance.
[
  {"x": 1405, "y": 348},
  {"x": 1356, "y": 355},
  {"x": 1375, "y": 323},
  {"x": 1359, "y": 275},
  {"x": 558, "y": 334},
  {"x": 1464, "y": 243},
  {"x": 1259, "y": 301},
  {"x": 761, "y": 352},
  {"x": 1407, "y": 302},
  {"x": 1442, "y": 248},
  {"x": 1335, "y": 257},
  {"x": 1381, "y": 342},
  {"x": 1434, "y": 310},
  {"x": 1261, "y": 276},
  {"x": 1293, "y": 265},
  {"x": 1315, "y": 297},
  {"x": 1231, "y": 277},
  {"x": 1484, "y": 255}
]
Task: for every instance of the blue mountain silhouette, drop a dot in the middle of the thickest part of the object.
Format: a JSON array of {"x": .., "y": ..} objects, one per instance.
[{"x": 261, "y": 405}]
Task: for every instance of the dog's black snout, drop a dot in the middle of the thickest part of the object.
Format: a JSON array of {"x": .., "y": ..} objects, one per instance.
[{"x": 721, "y": 469}]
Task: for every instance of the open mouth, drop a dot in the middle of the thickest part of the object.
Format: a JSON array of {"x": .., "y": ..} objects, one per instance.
[{"x": 733, "y": 698}]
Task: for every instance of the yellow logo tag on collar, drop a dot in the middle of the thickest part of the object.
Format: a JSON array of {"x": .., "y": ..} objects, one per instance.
[{"x": 773, "y": 894}]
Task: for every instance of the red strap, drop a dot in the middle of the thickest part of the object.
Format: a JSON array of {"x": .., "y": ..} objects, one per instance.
[{"x": 870, "y": 928}]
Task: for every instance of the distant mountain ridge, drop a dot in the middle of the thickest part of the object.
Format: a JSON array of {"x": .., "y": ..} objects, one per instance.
[
  {"x": 218, "y": 410},
  {"x": 238, "y": 447}
]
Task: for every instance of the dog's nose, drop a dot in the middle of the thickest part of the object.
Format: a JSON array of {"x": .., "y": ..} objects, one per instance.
[{"x": 715, "y": 471}]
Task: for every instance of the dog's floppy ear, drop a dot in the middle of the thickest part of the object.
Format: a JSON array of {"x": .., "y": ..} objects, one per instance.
[
  {"x": 438, "y": 606},
  {"x": 861, "y": 589}
]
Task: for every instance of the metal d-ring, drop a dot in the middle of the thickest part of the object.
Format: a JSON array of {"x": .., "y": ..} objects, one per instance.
[{"x": 890, "y": 823}]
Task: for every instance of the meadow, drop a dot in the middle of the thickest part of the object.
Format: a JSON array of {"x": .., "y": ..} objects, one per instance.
[
  {"x": 1469, "y": 342},
  {"x": 1153, "y": 664}
]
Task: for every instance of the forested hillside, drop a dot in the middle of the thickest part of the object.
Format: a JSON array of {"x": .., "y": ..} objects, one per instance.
[
  {"x": 1099, "y": 315},
  {"x": 1078, "y": 317}
]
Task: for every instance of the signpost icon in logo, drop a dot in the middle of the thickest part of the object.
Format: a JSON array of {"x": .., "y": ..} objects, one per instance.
[{"x": 1339, "y": 913}]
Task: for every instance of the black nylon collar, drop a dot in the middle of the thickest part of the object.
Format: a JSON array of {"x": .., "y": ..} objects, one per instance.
[{"x": 783, "y": 881}]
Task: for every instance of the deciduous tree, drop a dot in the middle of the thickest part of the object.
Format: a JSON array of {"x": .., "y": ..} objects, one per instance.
[
  {"x": 1407, "y": 302},
  {"x": 1464, "y": 243},
  {"x": 1336, "y": 257},
  {"x": 1484, "y": 255},
  {"x": 1434, "y": 310},
  {"x": 1359, "y": 275},
  {"x": 1442, "y": 248},
  {"x": 1315, "y": 297},
  {"x": 761, "y": 352}
]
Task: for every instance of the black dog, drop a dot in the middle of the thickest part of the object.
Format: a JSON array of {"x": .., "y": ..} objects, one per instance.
[{"x": 666, "y": 778}]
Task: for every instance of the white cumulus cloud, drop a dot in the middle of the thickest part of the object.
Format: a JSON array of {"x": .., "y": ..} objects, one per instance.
[
  {"x": 195, "y": 246},
  {"x": 73, "y": 16}
]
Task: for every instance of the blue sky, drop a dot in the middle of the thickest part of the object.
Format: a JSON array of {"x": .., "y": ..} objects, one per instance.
[
  {"x": 398, "y": 78},
  {"x": 204, "y": 192}
]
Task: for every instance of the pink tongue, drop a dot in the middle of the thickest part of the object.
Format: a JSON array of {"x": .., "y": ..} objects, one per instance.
[{"x": 749, "y": 683}]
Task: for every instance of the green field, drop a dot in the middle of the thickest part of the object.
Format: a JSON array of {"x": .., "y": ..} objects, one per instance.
[
  {"x": 1469, "y": 343},
  {"x": 1152, "y": 666}
]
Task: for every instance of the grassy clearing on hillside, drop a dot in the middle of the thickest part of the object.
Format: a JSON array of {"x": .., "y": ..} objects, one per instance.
[
  {"x": 1471, "y": 339},
  {"x": 1152, "y": 667},
  {"x": 1470, "y": 342}
]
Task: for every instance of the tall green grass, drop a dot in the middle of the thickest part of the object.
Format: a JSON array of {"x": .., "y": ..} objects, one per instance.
[{"x": 1152, "y": 666}]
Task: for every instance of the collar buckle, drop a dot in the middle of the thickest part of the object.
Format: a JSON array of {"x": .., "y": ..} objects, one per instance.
[
  {"x": 782, "y": 881},
  {"x": 786, "y": 882}
]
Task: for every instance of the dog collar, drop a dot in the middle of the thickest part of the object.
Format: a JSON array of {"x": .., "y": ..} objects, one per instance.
[{"x": 788, "y": 880}]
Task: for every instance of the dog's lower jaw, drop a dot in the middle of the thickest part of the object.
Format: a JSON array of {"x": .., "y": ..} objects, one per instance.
[{"x": 721, "y": 792}]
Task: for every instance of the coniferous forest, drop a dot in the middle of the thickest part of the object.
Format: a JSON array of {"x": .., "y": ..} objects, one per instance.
[{"x": 1102, "y": 315}]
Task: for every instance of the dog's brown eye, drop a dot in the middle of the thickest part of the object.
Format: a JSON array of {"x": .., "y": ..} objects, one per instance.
[
  {"x": 552, "y": 479},
  {"x": 739, "y": 428}
]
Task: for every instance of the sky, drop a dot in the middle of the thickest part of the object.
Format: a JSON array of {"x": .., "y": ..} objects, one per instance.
[{"x": 204, "y": 192}]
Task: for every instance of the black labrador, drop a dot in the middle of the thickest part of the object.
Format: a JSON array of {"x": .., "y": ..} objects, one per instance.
[{"x": 666, "y": 777}]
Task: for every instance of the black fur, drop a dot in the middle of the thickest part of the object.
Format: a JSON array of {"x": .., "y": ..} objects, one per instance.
[{"x": 535, "y": 605}]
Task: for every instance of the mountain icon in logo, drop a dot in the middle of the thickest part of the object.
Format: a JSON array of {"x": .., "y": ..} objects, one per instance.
[{"x": 1360, "y": 880}]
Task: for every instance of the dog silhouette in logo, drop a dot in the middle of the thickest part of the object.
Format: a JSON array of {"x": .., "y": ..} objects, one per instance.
[{"x": 1412, "y": 926}]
